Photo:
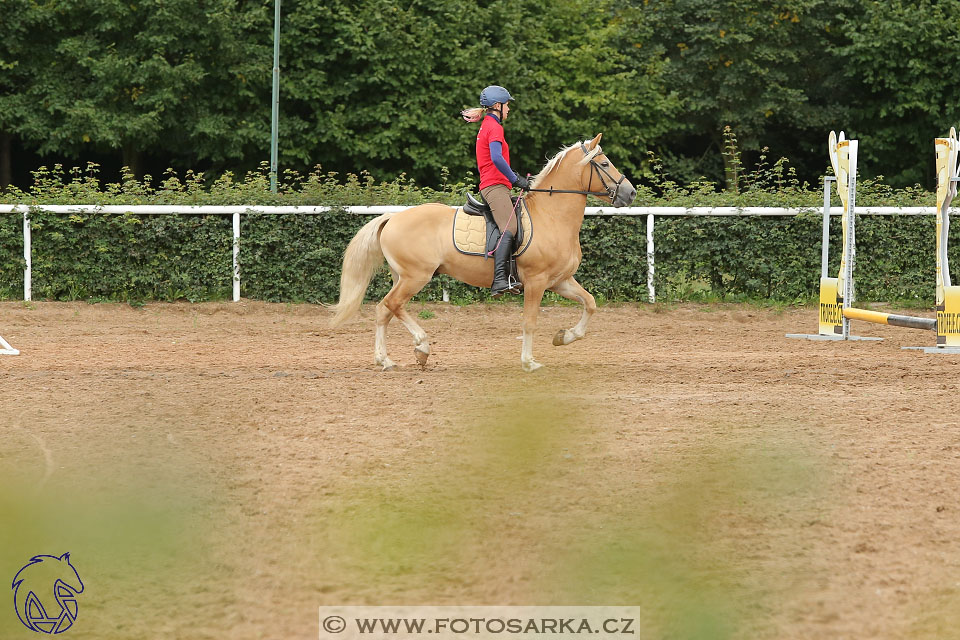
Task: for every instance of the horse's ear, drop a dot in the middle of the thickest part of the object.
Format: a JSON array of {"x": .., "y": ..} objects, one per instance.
[{"x": 593, "y": 143}]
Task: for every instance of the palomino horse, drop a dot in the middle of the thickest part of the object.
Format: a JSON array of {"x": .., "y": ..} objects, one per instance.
[{"x": 417, "y": 244}]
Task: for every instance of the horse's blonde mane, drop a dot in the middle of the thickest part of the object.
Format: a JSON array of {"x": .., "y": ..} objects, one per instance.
[{"x": 554, "y": 162}]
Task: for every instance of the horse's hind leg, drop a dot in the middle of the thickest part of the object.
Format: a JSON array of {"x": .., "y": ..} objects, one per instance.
[
  {"x": 393, "y": 305},
  {"x": 572, "y": 290},
  {"x": 380, "y": 343},
  {"x": 421, "y": 345}
]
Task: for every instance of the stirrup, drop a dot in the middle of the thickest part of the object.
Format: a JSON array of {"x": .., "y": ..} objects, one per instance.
[{"x": 514, "y": 287}]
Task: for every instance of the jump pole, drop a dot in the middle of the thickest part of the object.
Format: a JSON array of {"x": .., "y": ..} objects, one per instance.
[
  {"x": 911, "y": 322},
  {"x": 6, "y": 349},
  {"x": 837, "y": 294}
]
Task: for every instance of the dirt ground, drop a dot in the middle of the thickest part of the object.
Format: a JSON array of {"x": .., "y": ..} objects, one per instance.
[{"x": 221, "y": 470}]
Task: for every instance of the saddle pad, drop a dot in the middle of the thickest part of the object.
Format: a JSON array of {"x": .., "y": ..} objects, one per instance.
[{"x": 470, "y": 232}]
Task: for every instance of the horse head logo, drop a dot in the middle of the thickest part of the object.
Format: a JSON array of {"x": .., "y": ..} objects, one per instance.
[{"x": 45, "y": 593}]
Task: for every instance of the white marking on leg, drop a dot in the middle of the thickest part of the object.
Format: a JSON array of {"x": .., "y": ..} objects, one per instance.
[
  {"x": 380, "y": 341},
  {"x": 421, "y": 348},
  {"x": 531, "y": 309},
  {"x": 419, "y": 335},
  {"x": 572, "y": 290},
  {"x": 581, "y": 328},
  {"x": 421, "y": 344},
  {"x": 526, "y": 353}
]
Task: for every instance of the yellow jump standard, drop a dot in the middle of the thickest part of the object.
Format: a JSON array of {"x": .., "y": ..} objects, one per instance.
[{"x": 836, "y": 294}]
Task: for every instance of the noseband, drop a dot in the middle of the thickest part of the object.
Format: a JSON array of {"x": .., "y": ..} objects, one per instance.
[{"x": 611, "y": 190}]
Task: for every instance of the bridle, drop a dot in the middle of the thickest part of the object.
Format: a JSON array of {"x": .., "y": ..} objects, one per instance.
[{"x": 611, "y": 190}]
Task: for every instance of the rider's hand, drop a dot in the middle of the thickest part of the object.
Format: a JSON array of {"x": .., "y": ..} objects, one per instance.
[{"x": 521, "y": 183}]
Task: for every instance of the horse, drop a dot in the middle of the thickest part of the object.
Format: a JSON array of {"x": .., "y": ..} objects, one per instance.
[{"x": 417, "y": 245}]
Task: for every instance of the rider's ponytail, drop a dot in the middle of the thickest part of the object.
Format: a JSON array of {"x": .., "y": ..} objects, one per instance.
[{"x": 473, "y": 115}]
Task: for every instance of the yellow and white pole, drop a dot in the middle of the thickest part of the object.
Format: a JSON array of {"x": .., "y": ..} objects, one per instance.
[
  {"x": 848, "y": 257},
  {"x": 948, "y": 296},
  {"x": 837, "y": 293},
  {"x": 877, "y": 317},
  {"x": 840, "y": 149}
]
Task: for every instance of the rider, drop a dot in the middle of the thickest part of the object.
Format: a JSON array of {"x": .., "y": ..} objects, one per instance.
[{"x": 496, "y": 178}]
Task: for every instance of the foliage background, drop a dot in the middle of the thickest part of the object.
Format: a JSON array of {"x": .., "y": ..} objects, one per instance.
[
  {"x": 298, "y": 257},
  {"x": 376, "y": 85},
  {"x": 693, "y": 98}
]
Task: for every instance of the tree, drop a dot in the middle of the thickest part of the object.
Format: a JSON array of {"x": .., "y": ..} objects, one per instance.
[
  {"x": 588, "y": 68},
  {"x": 378, "y": 85},
  {"x": 899, "y": 57},
  {"x": 21, "y": 60},
  {"x": 766, "y": 68},
  {"x": 176, "y": 77},
  {"x": 375, "y": 86}
]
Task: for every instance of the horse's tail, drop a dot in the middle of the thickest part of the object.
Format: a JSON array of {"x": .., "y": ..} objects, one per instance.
[{"x": 360, "y": 261}]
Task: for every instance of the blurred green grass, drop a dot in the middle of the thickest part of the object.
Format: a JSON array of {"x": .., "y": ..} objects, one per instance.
[
  {"x": 537, "y": 495},
  {"x": 137, "y": 538},
  {"x": 526, "y": 496}
]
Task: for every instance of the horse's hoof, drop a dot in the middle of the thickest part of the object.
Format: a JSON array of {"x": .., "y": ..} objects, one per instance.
[
  {"x": 390, "y": 366},
  {"x": 558, "y": 339},
  {"x": 531, "y": 366},
  {"x": 421, "y": 357}
]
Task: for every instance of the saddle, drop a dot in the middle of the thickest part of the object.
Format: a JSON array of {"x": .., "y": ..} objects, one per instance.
[
  {"x": 476, "y": 207},
  {"x": 475, "y": 232}
]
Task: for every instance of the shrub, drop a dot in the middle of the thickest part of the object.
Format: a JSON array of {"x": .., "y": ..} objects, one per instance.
[{"x": 297, "y": 257}]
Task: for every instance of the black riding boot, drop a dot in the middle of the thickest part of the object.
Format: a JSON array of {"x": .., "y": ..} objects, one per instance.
[{"x": 502, "y": 280}]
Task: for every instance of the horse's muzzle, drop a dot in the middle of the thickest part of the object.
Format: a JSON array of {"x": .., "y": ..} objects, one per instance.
[{"x": 624, "y": 195}]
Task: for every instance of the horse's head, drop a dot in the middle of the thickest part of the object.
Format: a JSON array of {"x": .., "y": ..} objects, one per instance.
[
  {"x": 597, "y": 168},
  {"x": 584, "y": 168}
]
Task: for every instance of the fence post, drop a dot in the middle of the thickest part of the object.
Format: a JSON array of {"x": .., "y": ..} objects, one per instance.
[
  {"x": 27, "y": 257},
  {"x": 236, "y": 256},
  {"x": 650, "y": 290}
]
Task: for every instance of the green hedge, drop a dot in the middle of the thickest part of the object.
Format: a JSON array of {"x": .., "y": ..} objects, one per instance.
[
  {"x": 778, "y": 258},
  {"x": 297, "y": 257}
]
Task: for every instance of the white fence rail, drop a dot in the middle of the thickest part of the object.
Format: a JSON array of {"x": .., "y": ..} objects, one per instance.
[{"x": 237, "y": 211}]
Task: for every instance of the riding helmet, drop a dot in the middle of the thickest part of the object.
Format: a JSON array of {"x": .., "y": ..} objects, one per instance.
[{"x": 494, "y": 94}]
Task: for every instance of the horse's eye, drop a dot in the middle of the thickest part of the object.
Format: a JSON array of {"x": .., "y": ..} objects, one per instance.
[{"x": 604, "y": 164}]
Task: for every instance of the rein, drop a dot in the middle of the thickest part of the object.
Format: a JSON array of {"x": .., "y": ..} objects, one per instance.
[
  {"x": 516, "y": 207},
  {"x": 611, "y": 191}
]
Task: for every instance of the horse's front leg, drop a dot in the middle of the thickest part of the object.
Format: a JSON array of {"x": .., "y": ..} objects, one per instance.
[
  {"x": 572, "y": 290},
  {"x": 532, "y": 295}
]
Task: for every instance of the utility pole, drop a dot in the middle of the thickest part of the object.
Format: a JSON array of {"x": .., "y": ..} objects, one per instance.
[{"x": 275, "y": 112}]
